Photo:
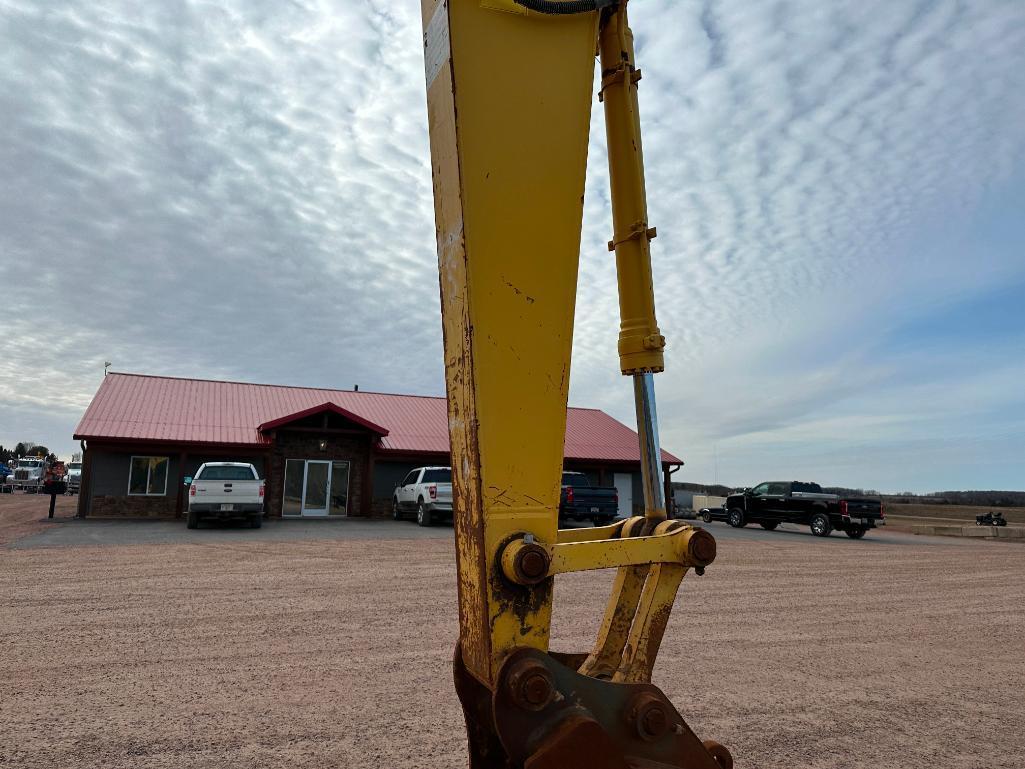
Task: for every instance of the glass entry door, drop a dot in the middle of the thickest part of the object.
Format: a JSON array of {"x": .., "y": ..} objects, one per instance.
[{"x": 315, "y": 488}]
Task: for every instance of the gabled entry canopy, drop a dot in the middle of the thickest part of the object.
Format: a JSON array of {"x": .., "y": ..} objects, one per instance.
[{"x": 324, "y": 408}]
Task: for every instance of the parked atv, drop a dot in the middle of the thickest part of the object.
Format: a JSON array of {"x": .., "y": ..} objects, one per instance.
[{"x": 991, "y": 519}]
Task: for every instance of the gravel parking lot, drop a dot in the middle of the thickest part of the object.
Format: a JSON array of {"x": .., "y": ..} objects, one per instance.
[{"x": 334, "y": 652}]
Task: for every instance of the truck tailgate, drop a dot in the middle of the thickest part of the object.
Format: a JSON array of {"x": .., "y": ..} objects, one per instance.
[
  {"x": 226, "y": 492},
  {"x": 594, "y": 499},
  {"x": 444, "y": 494},
  {"x": 864, "y": 509}
]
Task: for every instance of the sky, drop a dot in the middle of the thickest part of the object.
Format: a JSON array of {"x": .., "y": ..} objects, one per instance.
[{"x": 242, "y": 190}]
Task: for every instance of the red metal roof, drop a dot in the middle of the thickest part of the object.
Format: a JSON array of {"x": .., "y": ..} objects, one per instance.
[{"x": 136, "y": 407}]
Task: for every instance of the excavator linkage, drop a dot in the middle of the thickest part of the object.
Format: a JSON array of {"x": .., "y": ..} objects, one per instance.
[
  {"x": 596, "y": 710},
  {"x": 509, "y": 91},
  {"x": 545, "y": 715}
]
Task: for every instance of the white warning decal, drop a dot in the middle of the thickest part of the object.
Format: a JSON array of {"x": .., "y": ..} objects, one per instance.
[{"x": 436, "y": 43}]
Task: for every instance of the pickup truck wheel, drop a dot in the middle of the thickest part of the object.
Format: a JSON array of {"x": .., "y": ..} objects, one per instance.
[
  {"x": 192, "y": 522},
  {"x": 396, "y": 511},
  {"x": 820, "y": 525},
  {"x": 706, "y": 517},
  {"x": 770, "y": 525},
  {"x": 857, "y": 533},
  {"x": 736, "y": 518},
  {"x": 423, "y": 515}
]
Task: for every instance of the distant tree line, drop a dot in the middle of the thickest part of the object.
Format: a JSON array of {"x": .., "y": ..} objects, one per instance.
[
  {"x": 991, "y": 498},
  {"x": 972, "y": 498},
  {"x": 23, "y": 449},
  {"x": 845, "y": 492},
  {"x": 711, "y": 490}
]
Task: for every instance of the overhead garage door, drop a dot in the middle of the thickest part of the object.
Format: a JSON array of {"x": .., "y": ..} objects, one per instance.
[{"x": 624, "y": 483}]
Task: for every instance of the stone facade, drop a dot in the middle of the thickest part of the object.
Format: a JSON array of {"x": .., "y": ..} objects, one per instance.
[
  {"x": 380, "y": 508},
  {"x": 109, "y": 506},
  {"x": 354, "y": 449}
]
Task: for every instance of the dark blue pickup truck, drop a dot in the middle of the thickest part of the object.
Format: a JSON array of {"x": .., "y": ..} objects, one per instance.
[{"x": 580, "y": 501}]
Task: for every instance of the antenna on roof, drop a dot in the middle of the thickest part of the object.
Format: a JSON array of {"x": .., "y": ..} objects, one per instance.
[
  {"x": 355, "y": 388},
  {"x": 106, "y": 364}
]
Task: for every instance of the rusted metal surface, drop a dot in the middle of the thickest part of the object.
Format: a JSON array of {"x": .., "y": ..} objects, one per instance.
[
  {"x": 702, "y": 547},
  {"x": 544, "y": 715},
  {"x": 604, "y": 660},
  {"x": 577, "y": 741},
  {"x": 649, "y": 624},
  {"x": 589, "y": 723},
  {"x": 507, "y": 288},
  {"x": 483, "y": 745}
]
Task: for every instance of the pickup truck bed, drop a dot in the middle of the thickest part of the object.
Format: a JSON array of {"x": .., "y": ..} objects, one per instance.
[
  {"x": 425, "y": 491},
  {"x": 580, "y": 501},
  {"x": 226, "y": 491}
]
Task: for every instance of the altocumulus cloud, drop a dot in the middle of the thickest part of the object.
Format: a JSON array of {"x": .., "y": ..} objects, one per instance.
[{"x": 242, "y": 190}]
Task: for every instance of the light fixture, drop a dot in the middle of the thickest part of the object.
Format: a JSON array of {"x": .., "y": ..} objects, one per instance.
[{"x": 323, "y": 444}]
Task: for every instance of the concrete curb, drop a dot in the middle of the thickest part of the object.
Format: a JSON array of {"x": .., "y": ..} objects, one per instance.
[{"x": 977, "y": 532}]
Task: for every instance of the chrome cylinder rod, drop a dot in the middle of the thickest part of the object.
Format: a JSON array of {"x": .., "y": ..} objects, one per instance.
[{"x": 651, "y": 455}]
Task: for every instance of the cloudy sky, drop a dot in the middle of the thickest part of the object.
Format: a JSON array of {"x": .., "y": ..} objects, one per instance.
[{"x": 241, "y": 189}]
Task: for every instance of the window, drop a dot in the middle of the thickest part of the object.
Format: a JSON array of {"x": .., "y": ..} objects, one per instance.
[
  {"x": 292, "y": 504},
  {"x": 760, "y": 490},
  {"x": 148, "y": 477},
  {"x": 777, "y": 489},
  {"x": 339, "y": 488},
  {"x": 807, "y": 488},
  {"x": 411, "y": 478},
  {"x": 577, "y": 480},
  {"x": 438, "y": 475},
  {"x": 227, "y": 473}
]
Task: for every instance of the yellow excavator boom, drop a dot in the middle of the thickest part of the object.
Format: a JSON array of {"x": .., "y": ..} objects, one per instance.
[{"x": 510, "y": 86}]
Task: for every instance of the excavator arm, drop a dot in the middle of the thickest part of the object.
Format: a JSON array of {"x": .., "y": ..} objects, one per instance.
[{"x": 510, "y": 85}]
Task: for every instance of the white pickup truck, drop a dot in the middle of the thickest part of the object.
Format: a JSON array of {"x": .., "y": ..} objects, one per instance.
[
  {"x": 226, "y": 491},
  {"x": 427, "y": 491}
]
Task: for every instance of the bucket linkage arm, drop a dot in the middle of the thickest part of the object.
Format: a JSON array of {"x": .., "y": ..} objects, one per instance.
[
  {"x": 597, "y": 710},
  {"x": 509, "y": 86}
]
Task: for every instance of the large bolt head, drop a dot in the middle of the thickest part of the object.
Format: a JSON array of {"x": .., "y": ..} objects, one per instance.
[
  {"x": 650, "y": 716},
  {"x": 537, "y": 690},
  {"x": 531, "y": 563},
  {"x": 702, "y": 547},
  {"x": 655, "y": 721},
  {"x": 531, "y": 685}
]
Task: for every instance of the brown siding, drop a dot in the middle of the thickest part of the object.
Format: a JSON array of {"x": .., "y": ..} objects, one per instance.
[{"x": 86, "y": 486}]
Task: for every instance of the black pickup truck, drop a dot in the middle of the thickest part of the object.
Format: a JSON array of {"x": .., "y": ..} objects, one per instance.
[
  {"x": 580, "y": 501},
  {"x": 776, "y": 502}
]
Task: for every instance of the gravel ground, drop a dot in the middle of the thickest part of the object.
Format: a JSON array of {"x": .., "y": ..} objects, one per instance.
[
  {"x": 23, "y": 514},
  {"x": 795, "y": 652}
]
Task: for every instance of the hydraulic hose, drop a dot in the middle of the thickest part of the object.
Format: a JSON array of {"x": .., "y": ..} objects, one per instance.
[{"x": 565, "y": 6}]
